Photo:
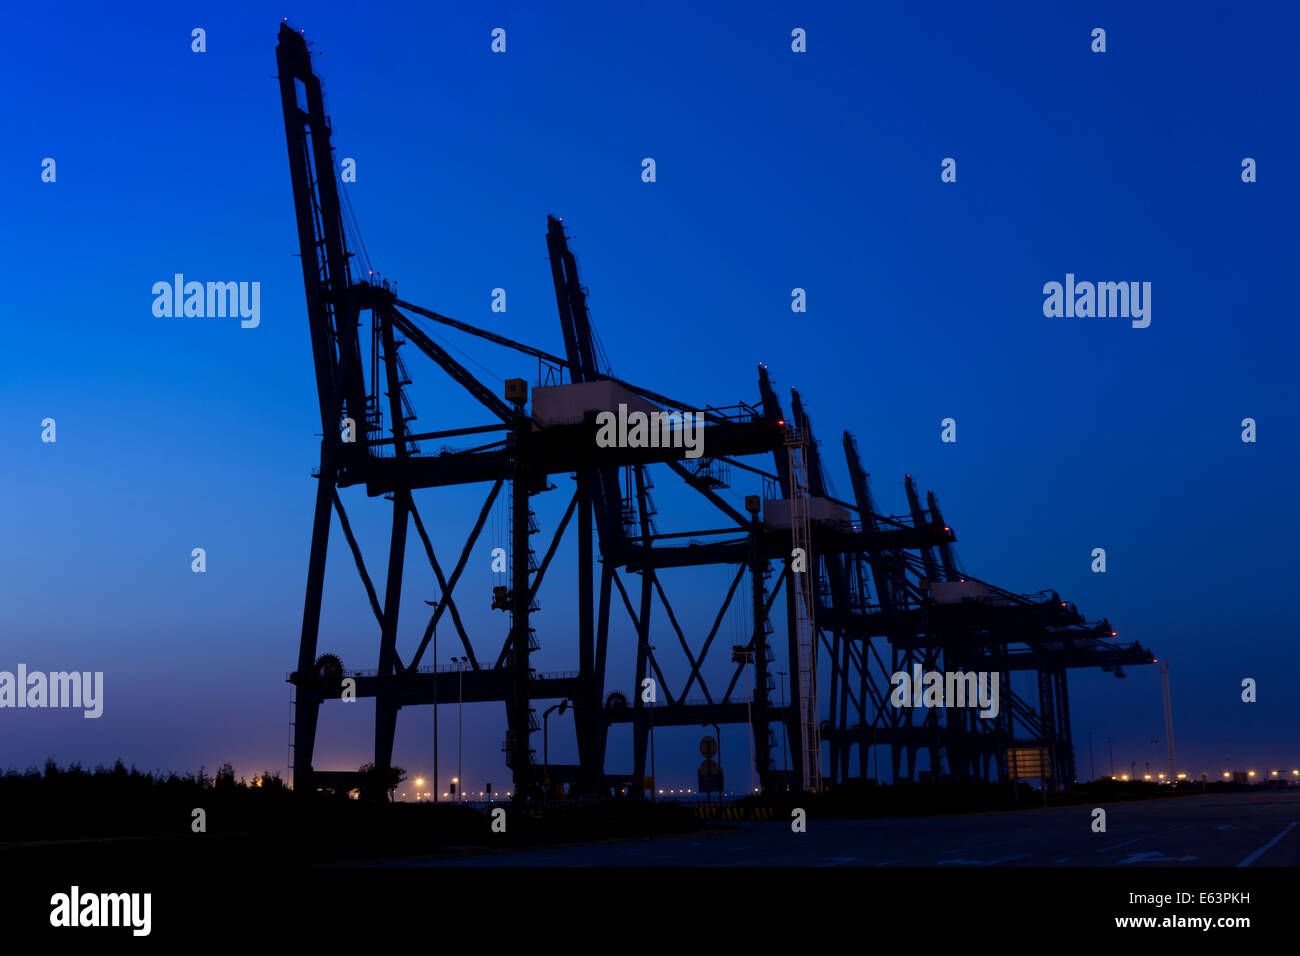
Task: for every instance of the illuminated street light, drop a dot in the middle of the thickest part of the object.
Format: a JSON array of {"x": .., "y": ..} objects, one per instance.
[{"x": 1250, "y": 773}]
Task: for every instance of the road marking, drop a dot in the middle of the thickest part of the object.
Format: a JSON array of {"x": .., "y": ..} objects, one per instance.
[
  {"x": 1266, "y": 847},
  {"x": 963, "y": 862},
  {"x": 1225, "y": 826},
  {"x": 981, "y": 846},
  {"x": 840, "y": 860},
  {"x": 1146, "y": 856},
  {"x": 1064, "y": 859},
  {"x": 1023, "y": 856},
  {"x": 887, "y": 862},
  {"x": 1147, "y": 837}
]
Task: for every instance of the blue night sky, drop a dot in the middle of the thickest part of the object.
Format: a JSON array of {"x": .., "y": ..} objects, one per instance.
[{"x": 775, "y": 170}]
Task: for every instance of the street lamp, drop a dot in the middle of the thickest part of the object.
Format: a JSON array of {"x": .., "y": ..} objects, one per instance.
[
  {"x": 433, "y": 624},
  {"x": 562, "y": 706},
  {"x": 460, "y": 663},
  {"x": 742, "y": 655},
  {"x": 653, "y": 775}
]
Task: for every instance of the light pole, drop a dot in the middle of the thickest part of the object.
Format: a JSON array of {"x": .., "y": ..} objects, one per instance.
[
  {"x": 460, "y": 663},
  {"x": 654, "y": 778},
  {"x": 436, "y": 778},
  {"x": 742, "y": 656},
  {"x": 562, "y": 706}
]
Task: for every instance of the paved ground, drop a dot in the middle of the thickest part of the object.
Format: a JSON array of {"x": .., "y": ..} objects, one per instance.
[{"x": 1241, "y": 829}]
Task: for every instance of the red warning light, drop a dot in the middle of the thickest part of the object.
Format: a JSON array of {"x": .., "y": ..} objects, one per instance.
[{"x": 1113, "y": 634}]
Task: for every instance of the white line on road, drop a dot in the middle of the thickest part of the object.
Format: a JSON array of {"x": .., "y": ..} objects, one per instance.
[
  {"x": 1147, "y": 837},
  {"x": 1266, "y": 847},
  {"x": 1064, "y": 859},
  {"x": 1023, "y": 856}
]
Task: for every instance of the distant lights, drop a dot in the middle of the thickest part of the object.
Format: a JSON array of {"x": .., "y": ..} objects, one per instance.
[
  {"x": 1250, "y": 773},
  {"x": 1226, "y": 774}
]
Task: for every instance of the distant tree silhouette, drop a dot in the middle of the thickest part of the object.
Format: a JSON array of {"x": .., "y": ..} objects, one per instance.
[{"x": 377, "y": 785}]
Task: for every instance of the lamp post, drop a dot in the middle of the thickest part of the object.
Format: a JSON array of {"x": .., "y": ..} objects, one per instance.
[
  {"x": 435, "y": 713},
  {"x": 654, "y": 778},
  {"x": 436, "y": 778},
  {"x": 562, "y": 706},
  {"x": 742, "y": 656},
  {"x": 460, "y": 663}
]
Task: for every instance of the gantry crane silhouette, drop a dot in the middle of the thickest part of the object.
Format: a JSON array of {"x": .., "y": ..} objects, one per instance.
[{"x": 865, "y": 601}]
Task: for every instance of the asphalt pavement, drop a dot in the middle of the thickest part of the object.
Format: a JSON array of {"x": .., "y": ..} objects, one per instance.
[{"x": 1238, "y": 829}]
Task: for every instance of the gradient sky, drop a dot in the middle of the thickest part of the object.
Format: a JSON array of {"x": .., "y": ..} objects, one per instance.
[{"x": 775, "y": 170}]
